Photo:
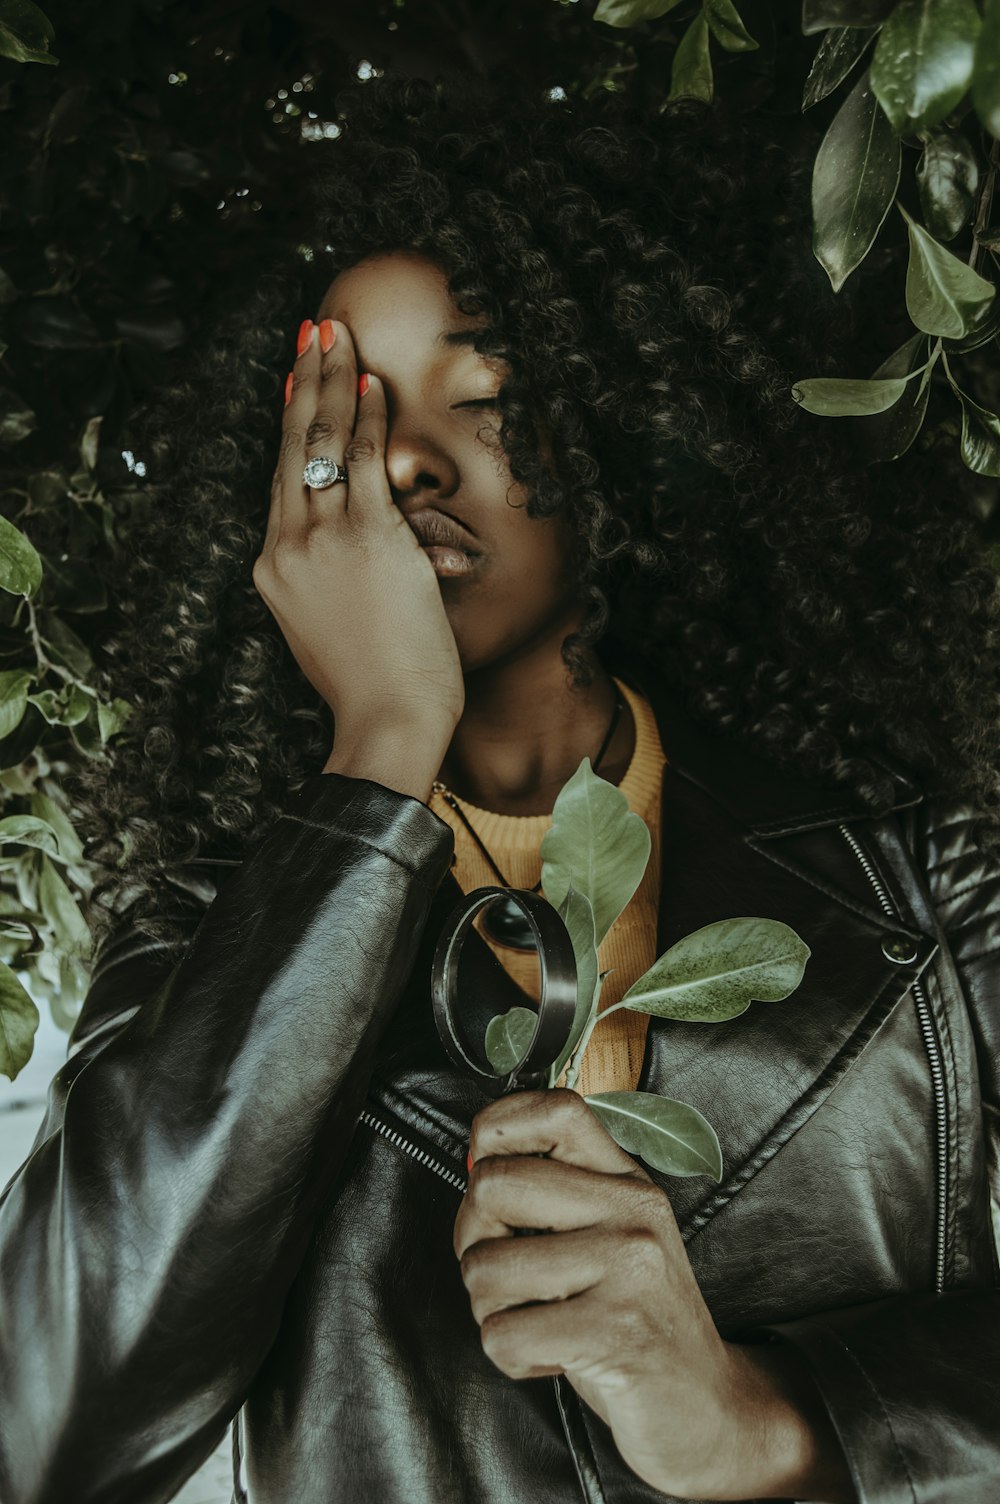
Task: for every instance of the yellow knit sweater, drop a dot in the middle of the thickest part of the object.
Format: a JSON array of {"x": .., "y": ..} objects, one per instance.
[{"x": 613, "y": 1058}]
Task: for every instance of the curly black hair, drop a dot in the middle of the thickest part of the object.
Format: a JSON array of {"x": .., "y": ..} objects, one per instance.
[{"x": 651, "y": 285}]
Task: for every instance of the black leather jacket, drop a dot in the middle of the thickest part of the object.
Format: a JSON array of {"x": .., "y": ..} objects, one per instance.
[{"x": 243, "y": 1194}]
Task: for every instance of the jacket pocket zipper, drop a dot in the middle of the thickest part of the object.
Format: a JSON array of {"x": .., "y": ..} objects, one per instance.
[
  {"x": 421, "y": 1155},
  {"x": 933, "y": 1048}
]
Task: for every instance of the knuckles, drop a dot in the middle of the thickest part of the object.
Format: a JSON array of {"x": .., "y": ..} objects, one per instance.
[{"x": 320, "y": 430}]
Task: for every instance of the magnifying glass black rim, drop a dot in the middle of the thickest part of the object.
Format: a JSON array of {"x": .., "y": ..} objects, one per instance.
[{"x": 556, "y": 1005}]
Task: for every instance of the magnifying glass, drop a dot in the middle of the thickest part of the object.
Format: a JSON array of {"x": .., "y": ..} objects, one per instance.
[{"x": 556, "y": 1004}]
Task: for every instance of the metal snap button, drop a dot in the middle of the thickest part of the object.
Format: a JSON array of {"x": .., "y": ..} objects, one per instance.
[{"x": 899, "y": 948}]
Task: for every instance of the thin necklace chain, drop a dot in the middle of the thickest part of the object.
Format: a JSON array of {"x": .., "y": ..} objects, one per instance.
[{"x": 450, "y": 799}]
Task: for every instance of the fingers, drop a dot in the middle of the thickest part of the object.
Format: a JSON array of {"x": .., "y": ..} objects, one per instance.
[
  {"x": 507, "y": 1192},
  {"x": 320, "y": 419},
  {"x": 556, "y": 1122},
  {"x": 365, "y": 453},
  {"x": 498, "y": 1275}
]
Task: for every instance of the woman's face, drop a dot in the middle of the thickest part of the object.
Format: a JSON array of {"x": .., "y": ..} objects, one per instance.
[{"x": 441, "y": 451}]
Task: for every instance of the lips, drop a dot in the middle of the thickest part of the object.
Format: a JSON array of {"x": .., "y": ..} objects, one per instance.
[{"x": 434, "y": 528}]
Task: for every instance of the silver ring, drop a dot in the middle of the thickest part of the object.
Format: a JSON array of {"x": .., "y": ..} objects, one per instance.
[{"x": 321, "y": 472}]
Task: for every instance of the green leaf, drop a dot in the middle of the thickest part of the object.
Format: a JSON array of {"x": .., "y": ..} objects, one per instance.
[
  {"x": 817, "y": 15},
  {"x": 835, "y": 56},
  {"x": 727, "y": 26},
  {"x": 18, "y": 1024},
  {"x": 578, "y": 916},
  {"x": 25, "y": 32},
  {"x": 65, "y": 707},
  {"x": 70, "y": 847},
  {"x": 61, "y": 909},
  {"x": 508, "y": 1037},
  {"x": 671, "y": 1136},
  {"x": 947, "y": 179},
  {"x": 854, "y": 181},
  {"x": 28, "y": 830},
  {"x": 980, "y": 435},
  {"x": 943, "y": 294},
  {"x": 691, "y": 74},
  {"x": 112, "y": 717},
  {"x": 13, "y": 698},
  {"x": 922, "y": 63},
  {"x": 986, "y": 69},
  {"x": 715, "y": 972},
  {"x": 16, "y": 419},
  {"x": 631, "y": 12},
  {"x": 65, "y": 645},
  {"x": 20, "y": 566},
  {"x": 836, "y": 397},
  {"x": 888, "y": 435},
  {"x": 89, "y": 443},
  {"x": 596, "y": 843}
]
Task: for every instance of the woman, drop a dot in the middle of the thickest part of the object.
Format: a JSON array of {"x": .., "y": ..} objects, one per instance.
[{"x": 581, "y": 518}]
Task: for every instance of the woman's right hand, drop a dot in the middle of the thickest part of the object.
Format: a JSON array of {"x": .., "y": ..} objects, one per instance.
[{"x": 355, "y": 596}]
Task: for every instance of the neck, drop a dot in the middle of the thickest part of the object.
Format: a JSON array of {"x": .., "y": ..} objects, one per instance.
[{"x": 525, "y": 731}]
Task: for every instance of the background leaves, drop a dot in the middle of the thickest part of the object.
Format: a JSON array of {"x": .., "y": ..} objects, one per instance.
[{"x": 151, "y": 150}]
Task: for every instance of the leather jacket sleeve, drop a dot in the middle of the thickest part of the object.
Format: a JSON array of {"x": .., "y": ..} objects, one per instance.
[
  {"x": 149, "y": 1240},
  {"x": 912, "y": 1383}
]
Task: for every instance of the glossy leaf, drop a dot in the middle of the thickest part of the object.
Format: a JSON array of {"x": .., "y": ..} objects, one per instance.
[
  {"x": 727, "y": 26},
  {"x": 61, "y": 909},
  {"x": 596, "y": 843},
  {"x": 25, "y": 32},
  {"x": 17, "y": 419},
  {"x": 854, "y": 181},
  {"x": 508, "y": 1037},
  {"x": 846, "y": 397},
  {"x": 980, "y": 446},
  {"x": 111, "y": 717},
  {"x": 61, "y": 708},
  {"x": 46, "y": 809},
  {"x": 943, "y": 294},
  {"x": 888, "y": 435},
  {"x": 818, "y": 15},
  {"x": 65, "y": 645},
  {"x": 28, "y": 830},
  {"x": 671, "y": 1136},
  {"x": 631, "y": 12},
  {"x": 578, "y": 916},
  {"x": 947, "y": 179},
  {"x": 20, "y": 566},
  {"x": 835, "y": 56},
  {"x": 922, "y": 64},
  {"x": 14, "y": 687},
  {"x": 691, "y": 73},
  {"x": 986, "y": 69},
  {"x": 717, "y": 971},
  {"x": 18, "y": 1024}
]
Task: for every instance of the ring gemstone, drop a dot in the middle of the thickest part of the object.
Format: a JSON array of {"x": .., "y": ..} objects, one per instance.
[{"x": 321, "y": 472}]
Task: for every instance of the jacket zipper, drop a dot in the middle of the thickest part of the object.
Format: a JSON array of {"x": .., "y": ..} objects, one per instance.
[
  {"x": 933, "y": 1048},
  {"x": 452, "y": 1176}
]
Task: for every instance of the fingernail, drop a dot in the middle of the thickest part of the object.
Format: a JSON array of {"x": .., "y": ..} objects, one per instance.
[
  {"x": 363, "y": 384},
  {"x": 305, "y": 336},
  {"x": 327, "y": 335},
  {"x": 469, "y": 1161},
  {"x": 289, "y": 383}
]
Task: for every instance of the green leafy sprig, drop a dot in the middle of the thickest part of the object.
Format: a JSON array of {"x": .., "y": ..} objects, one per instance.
[{"x": 594, "y": 856}]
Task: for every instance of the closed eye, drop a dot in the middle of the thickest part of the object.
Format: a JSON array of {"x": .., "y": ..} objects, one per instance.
[{"x": 479, "y": 402}]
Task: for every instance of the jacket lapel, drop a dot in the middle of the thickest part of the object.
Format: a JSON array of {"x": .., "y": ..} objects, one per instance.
[{"x": 738, "y": 837}]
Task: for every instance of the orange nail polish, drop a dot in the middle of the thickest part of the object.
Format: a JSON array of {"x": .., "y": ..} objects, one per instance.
[
  {"x": 290, "y": 381},
  {"x": 305, "y": 335},
  {"x": 363, "y": 384},
  {"x": 469, "y": 1161},
  {"x": 327, "y": 335}
]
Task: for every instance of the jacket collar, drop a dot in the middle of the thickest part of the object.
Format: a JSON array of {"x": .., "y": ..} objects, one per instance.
[{"x": 754, "y": 792}]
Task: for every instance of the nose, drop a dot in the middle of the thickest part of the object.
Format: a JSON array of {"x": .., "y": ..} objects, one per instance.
[{"x": 417, "y": 466}]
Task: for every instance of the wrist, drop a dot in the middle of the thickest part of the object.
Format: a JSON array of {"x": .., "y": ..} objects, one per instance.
[
  {"x": 784, "y": 1444},
  {"x": 404, "y": 759}
]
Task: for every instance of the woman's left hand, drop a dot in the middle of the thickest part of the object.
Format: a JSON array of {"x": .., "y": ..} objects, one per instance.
[{"x": 606, "y": 1296}]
